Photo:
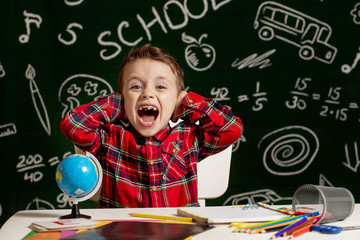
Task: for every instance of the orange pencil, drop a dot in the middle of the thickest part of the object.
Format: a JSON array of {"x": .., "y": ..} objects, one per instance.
[{"x": 301, "y": 231}]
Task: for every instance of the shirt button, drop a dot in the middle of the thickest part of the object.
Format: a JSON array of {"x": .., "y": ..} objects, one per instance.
[
  {"x": 150, "y": 143},
  {"x": 191, "y": 101},
  {"x": 151, "y": 162},
  {"x": 174, "y": 150},
  {"x": 154, "y": 188}
]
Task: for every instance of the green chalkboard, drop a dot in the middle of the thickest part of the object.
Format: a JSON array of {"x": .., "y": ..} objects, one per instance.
[{"x": 289, "y": 69}]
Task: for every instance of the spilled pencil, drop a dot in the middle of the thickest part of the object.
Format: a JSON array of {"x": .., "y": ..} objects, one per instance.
[{"x": 174, "y": 218}]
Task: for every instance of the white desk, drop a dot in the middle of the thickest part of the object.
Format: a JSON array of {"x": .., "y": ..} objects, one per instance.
[{"x": 16, "y": 226}]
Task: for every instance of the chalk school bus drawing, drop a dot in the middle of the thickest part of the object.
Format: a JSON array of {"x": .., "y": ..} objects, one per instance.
[{"x": 310, "y": 35}]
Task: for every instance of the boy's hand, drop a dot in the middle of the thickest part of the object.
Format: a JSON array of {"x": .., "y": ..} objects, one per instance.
[{"x": 180, "y": 97}]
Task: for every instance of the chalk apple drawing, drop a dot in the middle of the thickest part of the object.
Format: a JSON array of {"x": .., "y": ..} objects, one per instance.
[{"x": 199, "y": 56}]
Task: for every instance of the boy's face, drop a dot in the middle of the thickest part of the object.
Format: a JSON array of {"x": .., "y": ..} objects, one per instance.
[{"x": 150, "y": 93}]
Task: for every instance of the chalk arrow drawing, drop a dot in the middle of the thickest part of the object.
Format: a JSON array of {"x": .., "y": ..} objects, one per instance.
[{"x": 352, "y": 165}]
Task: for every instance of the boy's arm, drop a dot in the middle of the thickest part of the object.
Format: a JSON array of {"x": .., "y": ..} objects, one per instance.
[
  {"x": 83, "y": 124},
  {"x": 219, "y": 128}
]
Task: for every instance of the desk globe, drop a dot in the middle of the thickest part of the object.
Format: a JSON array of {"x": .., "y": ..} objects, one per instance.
[{"x": 79, "y": 177}]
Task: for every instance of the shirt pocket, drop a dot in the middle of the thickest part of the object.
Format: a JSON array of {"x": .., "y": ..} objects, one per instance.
[{"x": 173, "y": 161}]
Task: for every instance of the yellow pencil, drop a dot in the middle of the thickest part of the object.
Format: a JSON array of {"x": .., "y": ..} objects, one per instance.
[{"x": 142, "y": 215}]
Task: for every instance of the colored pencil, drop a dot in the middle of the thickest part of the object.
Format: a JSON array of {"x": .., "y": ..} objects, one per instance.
[
  {"x": 304, "y": 224},
  {"x": 289, "y": 227},
  {"x": 272, "y": 226},
  {"x": 301, "y": 231},
  {"x": 267, "y": 224},
  {"x": 274, "y": 209},
  {"x": 142, "y": 215}
]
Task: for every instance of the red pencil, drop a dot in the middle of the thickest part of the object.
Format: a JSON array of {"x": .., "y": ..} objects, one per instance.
[{"x": 301, "y": 231}]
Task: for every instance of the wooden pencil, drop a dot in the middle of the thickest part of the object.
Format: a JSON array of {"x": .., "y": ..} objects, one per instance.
[
  {"x": 289, "y": 227},
  {"x": 304, "y": 224},
  {"x": 301, "y": 231}
]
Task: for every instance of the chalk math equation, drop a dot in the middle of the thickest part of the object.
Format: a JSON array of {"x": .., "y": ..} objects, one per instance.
[{"x": 300, "y": 99}]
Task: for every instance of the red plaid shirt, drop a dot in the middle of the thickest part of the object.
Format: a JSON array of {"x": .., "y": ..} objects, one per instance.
[{"x": 158, "y": 171}]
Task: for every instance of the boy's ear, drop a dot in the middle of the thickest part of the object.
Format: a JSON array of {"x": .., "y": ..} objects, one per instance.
[
  {"x": 181, "y": 95},
  {"x": 124, "y": 118}
]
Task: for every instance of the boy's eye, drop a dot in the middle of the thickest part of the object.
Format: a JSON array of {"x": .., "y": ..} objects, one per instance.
[
  {"x": 135, "y": 87},
  {"x": 161, "y": 87}
]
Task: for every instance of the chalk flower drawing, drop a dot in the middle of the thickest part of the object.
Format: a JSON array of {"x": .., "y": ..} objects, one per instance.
[{"x": 289, "y": 151}]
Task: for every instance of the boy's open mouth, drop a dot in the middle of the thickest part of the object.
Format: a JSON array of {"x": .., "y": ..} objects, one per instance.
[{"x": 147, "y": 115}]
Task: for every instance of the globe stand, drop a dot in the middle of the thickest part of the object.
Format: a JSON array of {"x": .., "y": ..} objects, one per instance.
[{"x": 75, "y": 212}]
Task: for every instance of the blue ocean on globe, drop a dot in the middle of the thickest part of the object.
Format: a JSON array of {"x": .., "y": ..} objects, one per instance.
[{"x": 77, "y": 175}]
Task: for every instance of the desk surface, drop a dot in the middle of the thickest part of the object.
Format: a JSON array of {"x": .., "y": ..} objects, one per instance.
[{"x": 16, "y": 227}]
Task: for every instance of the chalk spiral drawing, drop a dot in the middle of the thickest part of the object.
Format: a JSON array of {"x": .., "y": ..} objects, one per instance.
[
  {"x": 80, "y": 89},
  {"x": 2, "y": 71},
  {"x": 289, "y": 150},
  {"x": 310, "y": 35},
  {"x": 38, "y": 100},
  {"x": 352, "y": 163},
  {"x": 355, "y": 13},
  {"x": 263, "y": 195},
  {"x": 254, "y": 60},
  {"x": 29, "y": 19},
  {"x": 73, "y": 35},
  {"x": 199, "y": 56}
]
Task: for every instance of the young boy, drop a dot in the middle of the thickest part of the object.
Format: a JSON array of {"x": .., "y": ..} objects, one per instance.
[{"x": 146, "y": 163}]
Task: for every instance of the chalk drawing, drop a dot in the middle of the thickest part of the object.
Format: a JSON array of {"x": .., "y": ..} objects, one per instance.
[
  {"x": 29, "y": 19},
  {"x": 154, "y": 19},
  {"x": 220, "y": 94},
  {"x": 236, "y": 144},
  {"x": 347, "y": 68},
  {"x": 70, "y": 31},
  {"x": 310, "y": 35},
  {"x": 39, "y": 204},
  {"x": 80, "y": 89},
  {"x": 254, "y": 60},
  {"x": 7, "y": 129},
  {"x": 199, "y": 56},
  {"x": 323, "y": 181},
  {"x": 263, "y": 195},
  {"x": 355, "y": 13},
  {"x": 73, "y": 3},
  {"x": 289, "y": 150},
  {"x": 38, "y": 100},
  {"x": 2, "y": 71},
  {"x": 353, "y": 162}
]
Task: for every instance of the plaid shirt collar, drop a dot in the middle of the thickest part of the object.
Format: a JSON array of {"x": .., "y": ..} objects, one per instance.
[{"x": 160, "y": 136}]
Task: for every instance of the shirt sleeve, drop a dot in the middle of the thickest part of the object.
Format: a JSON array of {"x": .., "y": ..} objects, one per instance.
[
  {"x": 83, "y": 124},
  {"x": 218, "y": 127}
]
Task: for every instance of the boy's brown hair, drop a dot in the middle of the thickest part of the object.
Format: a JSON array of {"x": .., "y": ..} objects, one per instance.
[{"x": 155, "y": 53}]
